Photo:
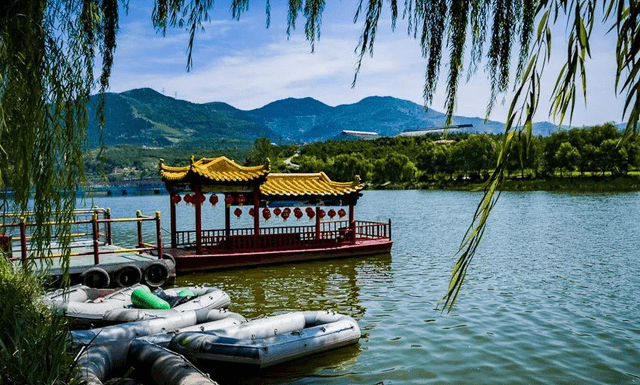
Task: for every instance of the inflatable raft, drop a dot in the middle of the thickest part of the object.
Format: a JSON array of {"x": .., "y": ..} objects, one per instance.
[
  {"x": 172, "y": 350},
  {"x": 86, "y": 307},
  {"x": 268, "y": 341},
  {"x": 154, "y": 363}
]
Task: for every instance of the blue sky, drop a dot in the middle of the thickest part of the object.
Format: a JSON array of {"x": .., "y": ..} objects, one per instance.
[{"x": 246, "y": 65}]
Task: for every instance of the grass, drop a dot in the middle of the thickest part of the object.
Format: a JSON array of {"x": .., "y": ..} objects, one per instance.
[{"x": 34, "y": 344}]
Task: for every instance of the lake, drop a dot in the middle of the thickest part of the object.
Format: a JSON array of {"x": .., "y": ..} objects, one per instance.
[{"x": 551, "y": 296}]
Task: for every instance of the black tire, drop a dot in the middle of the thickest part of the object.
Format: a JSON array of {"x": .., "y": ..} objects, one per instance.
[
  {"x": 95, "y": 277},
  {"x": 169, "y": 257},
  {"x": 127, "y": 275},
  {"x": 156, "y": 274}
]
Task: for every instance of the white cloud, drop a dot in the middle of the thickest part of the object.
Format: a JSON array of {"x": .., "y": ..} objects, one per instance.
[{"x": 248, "y": 66}]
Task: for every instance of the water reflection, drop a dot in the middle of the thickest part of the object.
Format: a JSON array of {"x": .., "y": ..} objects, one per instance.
[{"x": 318, "y": 285}]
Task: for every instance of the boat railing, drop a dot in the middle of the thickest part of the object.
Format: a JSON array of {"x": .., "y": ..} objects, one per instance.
[
  {"x": 88, "y": 237},
  {"x": 373, "y": 230},
  {"x": 330, "y": 233}
]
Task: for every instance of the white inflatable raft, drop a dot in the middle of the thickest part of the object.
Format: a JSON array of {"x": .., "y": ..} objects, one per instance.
[
  {"x": 85, "y": 306},
  {"x": 268, "y": 341}
]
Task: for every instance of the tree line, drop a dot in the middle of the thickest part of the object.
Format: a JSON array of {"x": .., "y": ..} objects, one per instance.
[{"x": 596, "y": 150}]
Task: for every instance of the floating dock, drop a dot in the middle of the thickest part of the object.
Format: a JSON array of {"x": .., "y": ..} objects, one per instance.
[{"x": 94, "y": 260}]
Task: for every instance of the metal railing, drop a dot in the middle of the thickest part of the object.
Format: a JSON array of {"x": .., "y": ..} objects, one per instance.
[
  {"x": 16, "y": 237},
  {"x": 334, "y": 233}
]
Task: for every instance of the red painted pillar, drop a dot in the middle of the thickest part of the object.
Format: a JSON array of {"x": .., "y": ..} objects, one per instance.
[
  {"x": 96, "y": 239},
  {"x": 23, "y": 242},
  {"x": 352, "y": 223},
  {"x": 198, "y": 206},
  {"x": 256, "y": 215},
  {"x": 318, "y": 234},
  {"x": 172, "y": 214}
]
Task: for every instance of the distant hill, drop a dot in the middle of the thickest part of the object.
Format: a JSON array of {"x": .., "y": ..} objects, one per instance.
[{"x": 145, "y": 117}]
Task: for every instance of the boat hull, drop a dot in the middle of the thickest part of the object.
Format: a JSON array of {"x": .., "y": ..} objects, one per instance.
[
  {"x": 187, "y": 262},
  {"x": 269, "y": 341}
]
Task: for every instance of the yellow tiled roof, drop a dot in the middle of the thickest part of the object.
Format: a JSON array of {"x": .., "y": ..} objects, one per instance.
[
  {"x": 301, "y": 185},
  {"x": 217, "y": 170}
]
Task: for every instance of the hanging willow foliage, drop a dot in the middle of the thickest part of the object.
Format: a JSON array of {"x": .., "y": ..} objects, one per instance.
[{"x": 47, "y": 52}]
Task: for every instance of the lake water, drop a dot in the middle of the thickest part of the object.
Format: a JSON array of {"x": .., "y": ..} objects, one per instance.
[{"x": 551, "y": 296}]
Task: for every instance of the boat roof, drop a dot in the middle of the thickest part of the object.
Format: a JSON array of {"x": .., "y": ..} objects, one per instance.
[
  {"x": 307, "y": 185},
  {"x": 224, "y": 175},
  {"x": 219, "y": 170}
]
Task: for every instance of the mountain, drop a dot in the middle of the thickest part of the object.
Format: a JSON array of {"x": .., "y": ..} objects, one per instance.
[{"x": 145, "y": 117}]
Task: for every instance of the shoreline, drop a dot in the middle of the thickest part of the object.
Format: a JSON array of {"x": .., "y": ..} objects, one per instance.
[{"x": 586, "y": 184}]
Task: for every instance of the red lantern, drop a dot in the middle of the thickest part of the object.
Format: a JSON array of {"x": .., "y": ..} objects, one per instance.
[
  {"x": 308, "y": 210},
  {"x": 228, "y": 200},
  {"x": 241, "y": 200},
  {"x": 321, "y": 213},
  {"x": 188, "y": 198},
  {"x": 298, "y": 213},
  {"x": 266, "y": 213},
  {"x": 175, "y": 199},
  {"x": 277, "y": 211},
  {"x": 332, "y": 213},
  {"x": 213, "y": 199},
  {"x": 285, "y": 213},
  {"x": 311, "y": 213},
  {"x": 342, "y": 213},
  {"x": 237, "y": 212},
  {"x": 251, "y": 212}
]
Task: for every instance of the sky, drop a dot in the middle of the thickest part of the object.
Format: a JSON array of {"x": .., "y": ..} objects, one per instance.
[{"x": 246, "y": 65}]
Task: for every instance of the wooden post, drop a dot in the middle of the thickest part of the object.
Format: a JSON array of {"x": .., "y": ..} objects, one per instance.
[
  {"x": 389, "y": 228},
  {"x": 96, "y": 237},
  {"x": 109, "y": 234},
  {"x": 139, "y": 226},
  {"x": 23, "y": 242},
  {"x": 158, "y": 235},
  {"x": 198, "y": 221},
  {"x": 352, "y": 223}
]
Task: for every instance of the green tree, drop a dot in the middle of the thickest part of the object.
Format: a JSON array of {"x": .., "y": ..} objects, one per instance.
[
  {"x": 476, "y": 153},
  {"x": 524, "y": 154},
  {"x": 395, "y": 168},
  {"x": 567, "y": 157},
  {"x": 347, "y": 166}
]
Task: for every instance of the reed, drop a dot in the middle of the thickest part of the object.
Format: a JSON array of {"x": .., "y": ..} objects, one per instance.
[{"x": 34, "y": 344}]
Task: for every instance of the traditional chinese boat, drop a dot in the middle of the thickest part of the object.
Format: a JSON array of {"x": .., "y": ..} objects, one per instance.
[{"x": 335, "y": 233}]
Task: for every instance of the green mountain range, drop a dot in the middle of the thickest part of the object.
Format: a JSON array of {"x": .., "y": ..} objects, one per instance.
[{"x": 144, "y": 117}]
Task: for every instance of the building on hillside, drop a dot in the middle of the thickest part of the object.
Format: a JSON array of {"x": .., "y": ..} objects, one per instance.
[
  {"x": 350, "y": 134},
  {"x": 436, "y": 131}
]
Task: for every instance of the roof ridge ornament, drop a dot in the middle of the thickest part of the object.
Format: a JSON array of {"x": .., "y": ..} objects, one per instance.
[{"x": 356, "y": 180}]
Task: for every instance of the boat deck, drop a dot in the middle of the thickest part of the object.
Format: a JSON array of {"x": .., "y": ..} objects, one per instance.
[{"x": 188, "y": 260}]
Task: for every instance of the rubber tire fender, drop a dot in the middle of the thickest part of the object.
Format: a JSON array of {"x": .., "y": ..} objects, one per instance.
[
  {"x": 95, "y": 277},
  {"x": 127, "y": 275},
  {"x": 156, "y": 274}
]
